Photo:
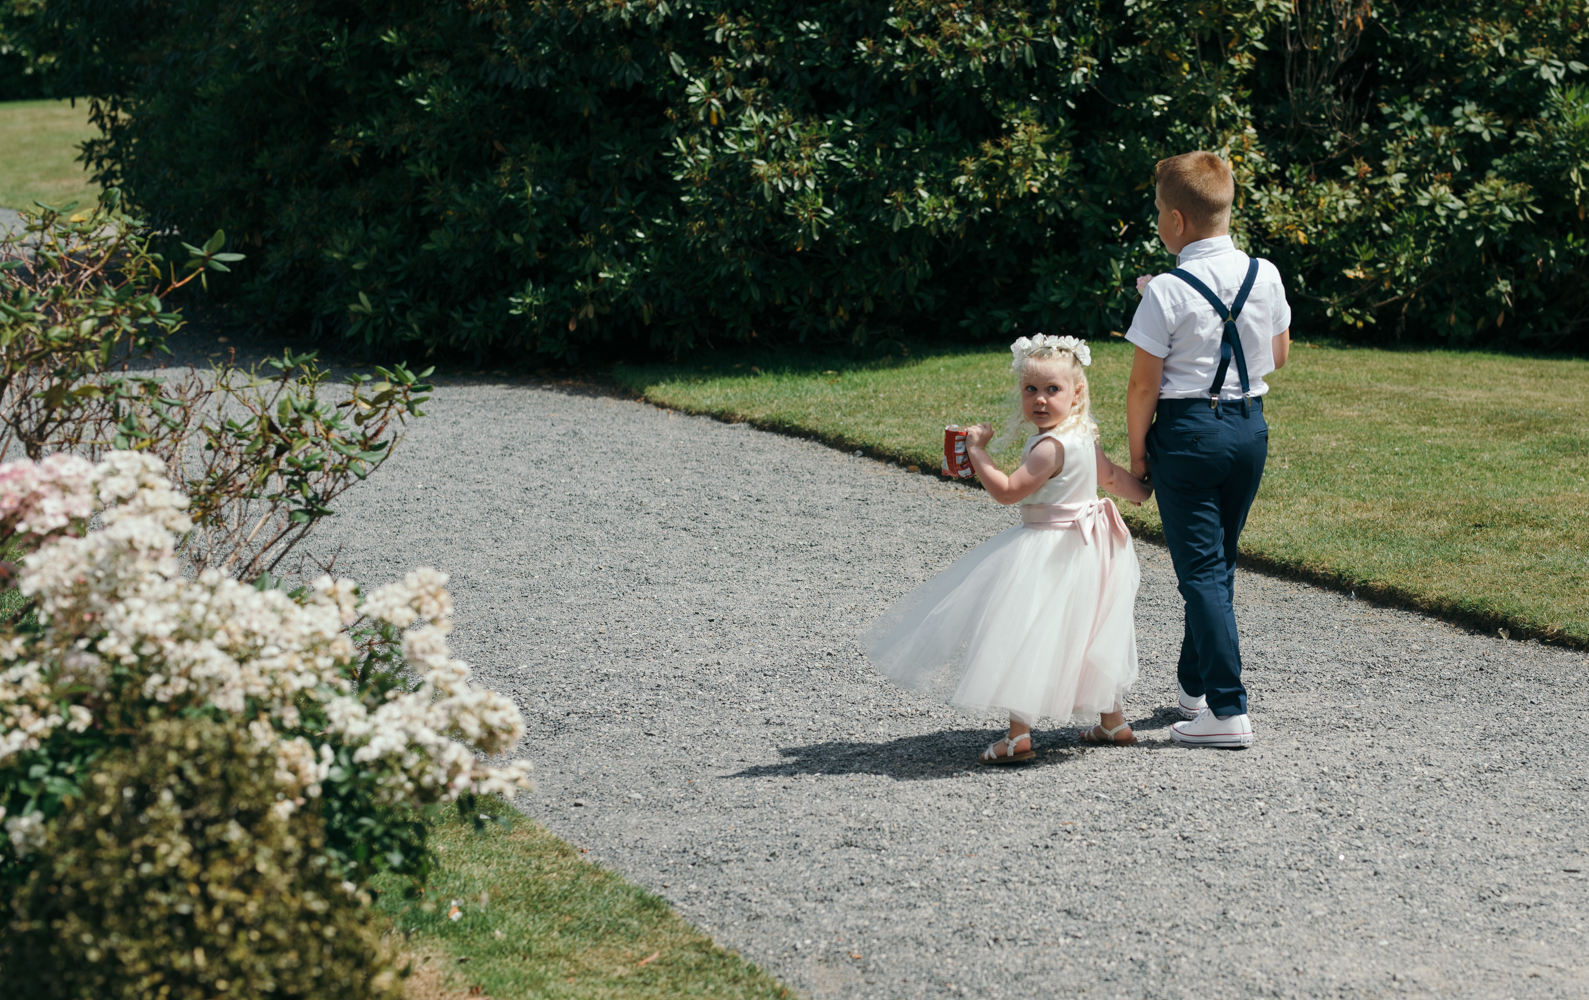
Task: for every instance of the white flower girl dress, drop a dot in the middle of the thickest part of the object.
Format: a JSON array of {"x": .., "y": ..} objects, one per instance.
[{"x": 1037, "y": 621}]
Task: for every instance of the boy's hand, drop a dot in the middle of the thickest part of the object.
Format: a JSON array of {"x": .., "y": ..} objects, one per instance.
[
  {"x": 1142, "y": 281},
  {"x": 979, "y": 435}
]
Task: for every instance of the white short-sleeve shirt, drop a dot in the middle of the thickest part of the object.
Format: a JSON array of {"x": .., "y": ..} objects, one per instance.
[{"x": 1176, "y": 323}]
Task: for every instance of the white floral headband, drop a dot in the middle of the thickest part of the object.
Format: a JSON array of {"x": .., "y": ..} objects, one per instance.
[{"x": 1026, "y": 347}]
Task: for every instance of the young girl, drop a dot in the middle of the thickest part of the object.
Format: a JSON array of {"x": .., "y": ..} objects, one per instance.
[{"x": 1037, "y": 620}]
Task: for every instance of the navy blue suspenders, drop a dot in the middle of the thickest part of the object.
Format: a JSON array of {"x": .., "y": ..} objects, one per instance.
[{"x": 1230, "y": 344}]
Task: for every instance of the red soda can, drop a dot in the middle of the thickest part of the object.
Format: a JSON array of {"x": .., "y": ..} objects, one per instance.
[{"x": 956, "y": 462}]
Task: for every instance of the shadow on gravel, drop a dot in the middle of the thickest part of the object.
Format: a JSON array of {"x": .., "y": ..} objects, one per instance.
[
  {"x": 935, "y": 755},
  {"x": 912, "y": 758},
  {"x": 1162, "y": 718},
  {"x": 908, "y": 758}
]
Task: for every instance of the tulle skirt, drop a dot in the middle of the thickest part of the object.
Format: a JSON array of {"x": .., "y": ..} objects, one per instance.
[{"x": 1035, "y": 622}]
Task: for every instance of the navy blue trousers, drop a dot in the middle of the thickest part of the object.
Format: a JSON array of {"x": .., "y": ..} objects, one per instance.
[{"x": 1206, "y": 465}]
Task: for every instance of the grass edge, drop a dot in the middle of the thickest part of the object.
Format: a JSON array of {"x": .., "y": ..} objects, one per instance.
[
  {"x": 1456, "y": 612},
  {"x": 593, "y": 880}
]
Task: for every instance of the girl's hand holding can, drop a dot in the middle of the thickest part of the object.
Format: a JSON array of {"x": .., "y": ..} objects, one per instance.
[{"x": 978, "y": 435}]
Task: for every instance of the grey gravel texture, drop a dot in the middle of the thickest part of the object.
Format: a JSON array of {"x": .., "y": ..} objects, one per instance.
[{"x": 674, "y": 602}]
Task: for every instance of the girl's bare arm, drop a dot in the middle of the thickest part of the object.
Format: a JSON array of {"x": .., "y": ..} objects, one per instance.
[
  {"x": 1120, "y": 482},
  {"x": 1047, "y": 458}
]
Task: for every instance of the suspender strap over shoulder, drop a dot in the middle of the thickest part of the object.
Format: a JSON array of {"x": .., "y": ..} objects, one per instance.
[{"x": 1230, "y": 343}]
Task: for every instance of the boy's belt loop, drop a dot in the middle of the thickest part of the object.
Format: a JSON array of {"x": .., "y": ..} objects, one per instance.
[{"x": 1230, "y": 341}]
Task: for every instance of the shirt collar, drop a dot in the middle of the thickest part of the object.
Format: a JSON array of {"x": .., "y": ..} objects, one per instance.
[{"x": 1211, "y": 247}]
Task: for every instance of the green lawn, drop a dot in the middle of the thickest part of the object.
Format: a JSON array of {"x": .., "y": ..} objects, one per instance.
[
  {"x": 1449, "y": 482},
  {"x": 536, "y": 920},
  {"x": 38, "y": 156}
]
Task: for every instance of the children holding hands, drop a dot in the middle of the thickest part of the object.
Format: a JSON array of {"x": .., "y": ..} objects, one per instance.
[{"x": 1038, "y": 621}]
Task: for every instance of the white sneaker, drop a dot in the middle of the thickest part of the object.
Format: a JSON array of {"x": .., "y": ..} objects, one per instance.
[
  {"x": 1209, "y": 730},
  {"x": 1189, "y": 706}
]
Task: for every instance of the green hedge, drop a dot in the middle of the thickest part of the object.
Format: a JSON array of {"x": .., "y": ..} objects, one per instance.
[
  {"x": 22, "y": 76},
  {"x": 513, "y": 176}
]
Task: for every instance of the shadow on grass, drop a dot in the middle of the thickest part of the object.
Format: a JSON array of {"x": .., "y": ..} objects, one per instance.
[{"x": 943, "y": 754}]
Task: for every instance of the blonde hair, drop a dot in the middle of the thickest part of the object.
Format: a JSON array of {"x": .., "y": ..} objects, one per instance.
[
  {"x": 1017, "y": 426},
  {"x": 1200, "y": 185}
]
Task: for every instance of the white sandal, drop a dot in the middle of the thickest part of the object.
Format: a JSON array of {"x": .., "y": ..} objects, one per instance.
[
  {"x": 1108, "y": 736},
  {"x": 992, "y": 756}
]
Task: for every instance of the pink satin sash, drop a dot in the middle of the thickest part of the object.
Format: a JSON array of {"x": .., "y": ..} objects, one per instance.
[{"x": 1098, "y": 520}]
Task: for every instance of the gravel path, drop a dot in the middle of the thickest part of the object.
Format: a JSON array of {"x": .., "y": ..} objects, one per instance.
[{"x": 674, "y": 603}]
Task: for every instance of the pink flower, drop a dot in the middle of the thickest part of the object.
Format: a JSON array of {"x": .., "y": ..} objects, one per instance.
[
  {"x": 1142, "y": 281},
  {"x": 48, "y": 496}
]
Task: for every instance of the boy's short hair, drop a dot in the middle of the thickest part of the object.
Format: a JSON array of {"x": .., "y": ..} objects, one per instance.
[{"x": 1200, "y": 185}]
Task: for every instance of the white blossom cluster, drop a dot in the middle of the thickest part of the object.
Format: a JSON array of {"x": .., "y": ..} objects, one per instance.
[
  {"x": 120, "y": 626},
  {"x": 42, "y": 498}
]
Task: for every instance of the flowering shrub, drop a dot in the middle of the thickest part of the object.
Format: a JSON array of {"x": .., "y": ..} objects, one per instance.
[
  {"x": 354, "y": 701},
  {"x": 262, "y": 453},
  {"x": 169, "y": 877}
]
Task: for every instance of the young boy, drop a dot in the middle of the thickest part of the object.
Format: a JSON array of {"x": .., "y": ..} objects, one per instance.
[{"x": 1197, "y": 379}]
